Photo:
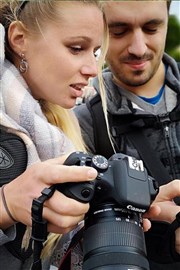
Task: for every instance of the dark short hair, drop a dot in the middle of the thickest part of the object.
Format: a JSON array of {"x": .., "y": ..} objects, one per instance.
[{"x": 168, "y": 4}]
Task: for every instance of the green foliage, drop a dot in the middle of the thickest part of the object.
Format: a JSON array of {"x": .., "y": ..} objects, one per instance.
[
  {"x": 173, "y": 38},
  {"x": 176, "y": 54}
]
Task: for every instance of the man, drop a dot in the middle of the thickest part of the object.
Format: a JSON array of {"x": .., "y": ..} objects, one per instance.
[{"x": 142, "y": 83}]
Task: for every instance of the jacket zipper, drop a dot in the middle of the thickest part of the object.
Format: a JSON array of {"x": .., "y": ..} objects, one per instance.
[{"x": 166, "y": 134}]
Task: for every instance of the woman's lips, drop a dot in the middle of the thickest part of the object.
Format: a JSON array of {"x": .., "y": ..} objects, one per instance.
[{"x": 77, "y": 89}]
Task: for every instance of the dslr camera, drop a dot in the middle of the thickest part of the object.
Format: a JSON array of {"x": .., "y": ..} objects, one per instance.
[{"x": 113, "y": 234}]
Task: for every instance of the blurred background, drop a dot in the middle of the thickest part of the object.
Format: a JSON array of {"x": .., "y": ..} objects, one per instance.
[{"x": 173, "y": 36}]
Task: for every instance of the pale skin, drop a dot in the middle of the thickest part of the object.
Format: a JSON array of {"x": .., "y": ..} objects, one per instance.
[
  {"x": 61, "y": 212},
  {"x": 61, "y": 58}
]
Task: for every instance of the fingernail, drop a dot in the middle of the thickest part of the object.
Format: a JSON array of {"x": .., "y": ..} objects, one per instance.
[{"x": 92, "y": 173}]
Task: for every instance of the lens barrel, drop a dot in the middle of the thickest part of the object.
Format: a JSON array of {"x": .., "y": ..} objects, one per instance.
[{"x": 114, "y": 240}]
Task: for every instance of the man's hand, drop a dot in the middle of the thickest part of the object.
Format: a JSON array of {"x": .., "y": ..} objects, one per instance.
[{"x": 168, "y": 209}]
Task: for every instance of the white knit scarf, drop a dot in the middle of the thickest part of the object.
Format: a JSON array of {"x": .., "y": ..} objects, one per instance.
[{"x": 22, "y": 114}]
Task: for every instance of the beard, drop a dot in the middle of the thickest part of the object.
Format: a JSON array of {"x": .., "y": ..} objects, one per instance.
[
  {"x": 137, "y": 78},
  {"x": 126, "y": 76}
]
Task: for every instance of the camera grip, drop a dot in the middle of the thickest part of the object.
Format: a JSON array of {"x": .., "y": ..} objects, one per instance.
[{"x": 80, "y": 191}]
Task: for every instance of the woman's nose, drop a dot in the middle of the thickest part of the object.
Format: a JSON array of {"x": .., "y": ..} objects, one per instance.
[{"x": 90, "y": 67}]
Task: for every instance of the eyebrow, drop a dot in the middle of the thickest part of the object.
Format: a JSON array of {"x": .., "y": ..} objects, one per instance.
[
  {"x": 84, "y": 38},
  {"x": 123, "y": 24},
  {"x": 155, "y": 22},
  {"x": 116, "y": 24}
]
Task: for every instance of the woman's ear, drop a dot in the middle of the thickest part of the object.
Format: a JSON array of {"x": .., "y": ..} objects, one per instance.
[{"x": 17, "y": 37}]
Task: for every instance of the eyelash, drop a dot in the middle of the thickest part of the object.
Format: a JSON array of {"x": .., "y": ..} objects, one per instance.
[
  {"x": 118, "y": 34},
  {"x": 149, "y": 31},
  {"x": 77, "y": 50}
]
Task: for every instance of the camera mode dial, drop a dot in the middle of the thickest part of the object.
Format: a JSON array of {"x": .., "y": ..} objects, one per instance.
[{"x": 100, "y": 163}]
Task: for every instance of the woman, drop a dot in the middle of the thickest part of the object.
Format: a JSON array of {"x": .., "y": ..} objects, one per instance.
[{"x": 49, "y": 55}]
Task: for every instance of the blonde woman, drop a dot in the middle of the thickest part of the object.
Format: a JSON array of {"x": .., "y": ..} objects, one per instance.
[{"x": 48, "y": 53}]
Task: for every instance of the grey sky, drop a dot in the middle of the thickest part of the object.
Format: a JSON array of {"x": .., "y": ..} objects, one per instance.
[{"x": 175, "y": 9}]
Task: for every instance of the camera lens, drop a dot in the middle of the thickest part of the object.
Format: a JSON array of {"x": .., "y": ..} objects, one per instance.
[{"x": 114, "y": 240}]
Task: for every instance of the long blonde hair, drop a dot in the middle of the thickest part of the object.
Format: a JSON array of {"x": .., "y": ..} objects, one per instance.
[{"x": 32, "y": 16}]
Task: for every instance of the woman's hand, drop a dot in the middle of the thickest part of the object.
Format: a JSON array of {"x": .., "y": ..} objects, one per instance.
[{"x": 61, "y": 212}]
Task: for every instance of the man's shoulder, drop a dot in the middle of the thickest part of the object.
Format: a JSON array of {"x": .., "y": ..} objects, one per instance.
[
  {"x": 82, "y": 111},
  {"x": 85, "y": 108}
]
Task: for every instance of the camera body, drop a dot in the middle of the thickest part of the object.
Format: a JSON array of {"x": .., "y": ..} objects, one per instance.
[
  {"x": 120, "y": 194},
  {"x": 121, "y": 179}
]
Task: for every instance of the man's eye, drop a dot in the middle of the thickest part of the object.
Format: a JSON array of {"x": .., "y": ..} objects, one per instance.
[
  {"x": 118, "y": 33},
  {"x": 150, "y": 30}
]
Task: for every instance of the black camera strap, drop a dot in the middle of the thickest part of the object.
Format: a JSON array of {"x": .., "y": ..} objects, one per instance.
[
  {"x": 39, "y": 226},
  {"x": 150, "y": 157},
  {"x": 136, "y": 136}
]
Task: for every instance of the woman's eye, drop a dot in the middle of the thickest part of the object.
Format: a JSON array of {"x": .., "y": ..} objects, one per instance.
[
  {"x": 76, "y": 49},
  {"x": 97, "y": 53}
]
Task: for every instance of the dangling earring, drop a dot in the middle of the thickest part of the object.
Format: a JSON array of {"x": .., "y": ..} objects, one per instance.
[{"x": 23, "y": 66}]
